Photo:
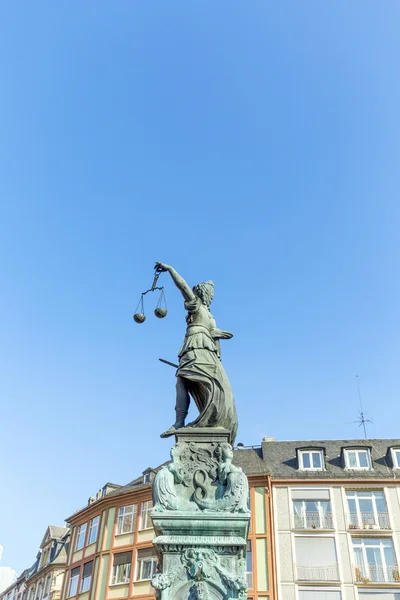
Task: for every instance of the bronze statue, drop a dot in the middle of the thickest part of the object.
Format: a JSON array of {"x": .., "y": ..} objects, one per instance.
[{"x": 200, "y": 373}]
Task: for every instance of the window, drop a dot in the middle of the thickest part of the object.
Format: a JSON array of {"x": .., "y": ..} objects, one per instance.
[
  {"x": 146, "y": 522},
  {"x": 80, "y": 539},
  {"x": 319, "y": 593},
  {"x": 126, "y": 519},
  {"x": 316, "y": 558},
  {"x": 93, "y": 530},
  {"x": 45, "y": 557},
  {"x": 73, "y": 582},
  {"x": 367, "y": 510},
  {"x": 311, "y": 460},
  {"x": 396, "y": 458},
  {"x": 121, "y": 572},
  {"x": 249, "y": 566},
  {"x": 87, "y": 576},
  {"x": 312, "y": 509},
  {"x": 365, "y": 594},
  {"x": 375, "y": 560},
  {"x": 146, "y": 478},
  {"x": 146, "y": 564},
  {"x": 47, "y": 586},
  {"x": 357, "y": 459}
]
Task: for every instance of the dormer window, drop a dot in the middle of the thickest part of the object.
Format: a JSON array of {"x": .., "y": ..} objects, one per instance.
[
  {"x": 396, "y": 457},
  {"x": 357, "y": 458},
  {"x": 311, "y": 460},
  {"x": 146, "y": 478}
]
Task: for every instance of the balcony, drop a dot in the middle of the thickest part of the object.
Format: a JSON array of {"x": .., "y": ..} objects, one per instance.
[
  {"x": 313, "y": 520},
  {"x": 377, "y": 574},
  {"x": 318, "y": 573},
  {"x": 368, "y": 521}
]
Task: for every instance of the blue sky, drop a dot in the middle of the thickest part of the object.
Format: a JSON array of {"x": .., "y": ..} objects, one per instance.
[{"x": 253, "y": 143}]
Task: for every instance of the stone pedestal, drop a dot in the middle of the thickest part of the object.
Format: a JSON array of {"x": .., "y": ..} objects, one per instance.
[{"x": 201, "y": 519}]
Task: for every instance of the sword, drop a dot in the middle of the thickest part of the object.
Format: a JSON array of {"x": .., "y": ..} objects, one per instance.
[{"x": 168, "y": 363}]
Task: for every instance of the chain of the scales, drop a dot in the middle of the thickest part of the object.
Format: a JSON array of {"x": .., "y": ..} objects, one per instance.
[{"x": 161, "y": 309}]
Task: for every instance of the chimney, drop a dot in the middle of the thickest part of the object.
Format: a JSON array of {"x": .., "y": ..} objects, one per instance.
[{"x": 269, "y": 439}]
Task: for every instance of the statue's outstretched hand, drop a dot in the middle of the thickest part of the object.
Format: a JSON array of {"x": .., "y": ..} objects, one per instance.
[
  {"x": 161, "y": 267},
  {"x": 220, "y": 334},
  {"x": 226, "y": 335}
]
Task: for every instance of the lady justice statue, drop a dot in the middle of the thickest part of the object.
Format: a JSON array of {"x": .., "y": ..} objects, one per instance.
[{"x": 200, "y": 373}]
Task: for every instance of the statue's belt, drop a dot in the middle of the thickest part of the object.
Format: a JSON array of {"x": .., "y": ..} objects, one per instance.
[{"x": 203, "y": 329}]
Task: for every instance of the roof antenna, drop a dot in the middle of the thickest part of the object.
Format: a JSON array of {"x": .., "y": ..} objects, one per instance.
[{"x": 362, "y": 416}]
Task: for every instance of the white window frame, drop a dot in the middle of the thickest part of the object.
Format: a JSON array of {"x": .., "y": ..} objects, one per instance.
[
  {"x": 126, "y": 511},
  {"x": 84, "y": 579},
  {"x": 72, "y": 578},
  {"x": 94, "y": 524},
  {"x": 356, "y": 451},
  {"x": 320, "y": 512},
  {"x": 249, "y": 574},
  {"x": 311, "y": 451},
  {"x": 140, "y": 565},
  {"x": 81, "y": 530},
  {"x": 353, "y": 495},
  {"x": 317, "y": 588},
  {"x": 336, "y": 565},
  {"x": 358, "y": 542},
  {"x": 39, "y": 590},
  {"x": 117, "y": 568},
  {"x": 395, "y": 458},
  {"x": 46, "y": 587},
  {"x": 145, "y": 518}
]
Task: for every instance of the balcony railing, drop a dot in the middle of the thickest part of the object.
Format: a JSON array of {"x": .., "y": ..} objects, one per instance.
[
  {"x": 313, "y": 520},
  {"x": 368, "y": 520},
  {"x": 377, "y": 574},
  {"x": 320, "y": 573}
]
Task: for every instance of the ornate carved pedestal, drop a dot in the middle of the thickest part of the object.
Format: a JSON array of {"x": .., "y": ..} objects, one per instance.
[{"x": 201, "y": 519}]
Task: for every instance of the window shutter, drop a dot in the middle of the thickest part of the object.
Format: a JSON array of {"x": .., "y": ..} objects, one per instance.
[
  {"x": 310, "y": 494},
  {"x": 123, "y": 558},
  {"x": 315, "y": 551},
  {"x": 318, "y": 594},
  {"x": 146, "y": 553}
]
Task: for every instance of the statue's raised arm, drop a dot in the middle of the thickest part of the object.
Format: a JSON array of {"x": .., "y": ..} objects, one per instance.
[
  {"x": 200, "y": 372},
  {"x": 180, "y": 283}
]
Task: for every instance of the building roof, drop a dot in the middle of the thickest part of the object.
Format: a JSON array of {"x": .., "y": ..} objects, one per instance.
[
  {"x": 57, "y": 532},
  {"x": 53, "y": 532},
  {"x": 281, "y": 459},
  {"x": 251, "y": 461}
]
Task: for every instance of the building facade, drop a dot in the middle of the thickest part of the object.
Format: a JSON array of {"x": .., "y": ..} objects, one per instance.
[
  {"x": 336, "y": 518},
  {"x": 325, "y": 525},
  {"x": 44, "y": 579},
  {"x": 111, "y": 554}
]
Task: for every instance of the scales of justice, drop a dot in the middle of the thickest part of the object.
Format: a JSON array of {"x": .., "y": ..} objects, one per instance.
[{"x": 200, "y": 515}]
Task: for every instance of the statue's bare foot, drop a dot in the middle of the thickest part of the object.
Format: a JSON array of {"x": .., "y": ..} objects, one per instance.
[{"x": 172, "y": 429}]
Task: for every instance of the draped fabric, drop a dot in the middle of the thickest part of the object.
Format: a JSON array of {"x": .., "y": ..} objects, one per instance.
[{"x": 201, "y": 367}]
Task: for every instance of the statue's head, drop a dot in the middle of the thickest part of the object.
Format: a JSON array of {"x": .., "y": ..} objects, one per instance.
[{"x": 204, "y": 291}]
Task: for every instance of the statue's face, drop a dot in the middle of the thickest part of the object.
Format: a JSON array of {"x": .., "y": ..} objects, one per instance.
[{"x": 227, "y": 451}]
